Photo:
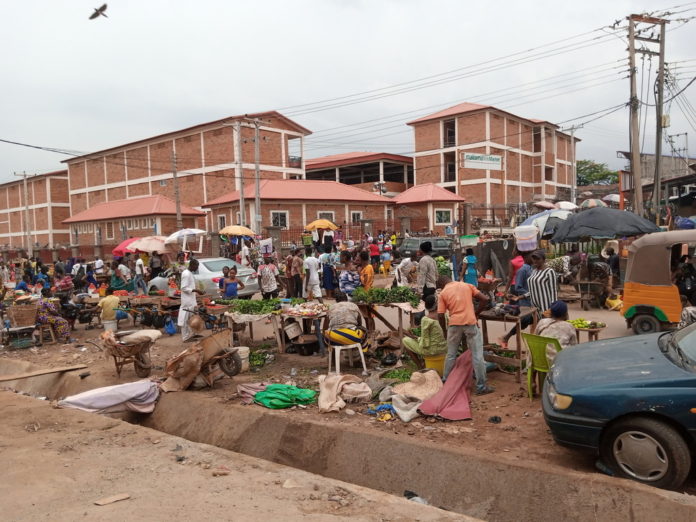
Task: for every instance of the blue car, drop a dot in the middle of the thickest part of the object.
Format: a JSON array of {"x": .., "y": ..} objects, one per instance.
[{"x": 633, "y": 400}]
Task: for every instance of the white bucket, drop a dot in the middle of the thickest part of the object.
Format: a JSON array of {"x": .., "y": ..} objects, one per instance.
[
  {"x": 243, "y": 352},
  {"x": 526, "y": 237}
]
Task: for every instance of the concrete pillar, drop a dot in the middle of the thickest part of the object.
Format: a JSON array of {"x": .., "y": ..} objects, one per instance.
[
  {"x": 381, "y": 172},
  {"x": 338, "y": 175},
  {"x": 406, "y": 175}
]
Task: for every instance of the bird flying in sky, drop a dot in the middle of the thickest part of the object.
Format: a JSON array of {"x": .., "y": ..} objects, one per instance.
[{"x": 98, "y": 12}]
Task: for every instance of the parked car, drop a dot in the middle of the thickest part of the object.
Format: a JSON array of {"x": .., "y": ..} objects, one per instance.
[
  {"x": 442, "y": 246},
  {"x": 210, "y": 268},
  {"x": 632, "y": 400}
]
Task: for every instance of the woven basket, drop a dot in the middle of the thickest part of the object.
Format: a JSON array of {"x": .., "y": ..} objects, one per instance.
[{"x": 22, "y": 315}]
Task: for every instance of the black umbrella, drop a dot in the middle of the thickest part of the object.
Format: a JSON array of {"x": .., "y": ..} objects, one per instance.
[{"x": 602, "y": 222}]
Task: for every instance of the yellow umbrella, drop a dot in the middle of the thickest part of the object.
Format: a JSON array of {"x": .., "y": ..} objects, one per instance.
[
  {"x": 321, "y": 223},
  {"x": 236, "y": 230}
]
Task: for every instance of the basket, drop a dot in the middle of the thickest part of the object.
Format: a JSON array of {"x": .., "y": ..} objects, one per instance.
[{"x": 22, "y": 315}]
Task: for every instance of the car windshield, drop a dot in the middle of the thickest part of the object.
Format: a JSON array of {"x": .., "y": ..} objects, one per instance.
[
  {"x": 216, "y": 265},
  {"x": 685, "y": 344}
]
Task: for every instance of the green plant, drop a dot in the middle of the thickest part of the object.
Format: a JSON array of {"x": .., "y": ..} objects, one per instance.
[{"x": 399, "y": 374}]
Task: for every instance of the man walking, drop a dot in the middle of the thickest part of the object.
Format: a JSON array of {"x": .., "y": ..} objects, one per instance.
[
  {"x": 188, "y": 300},
  {"x": 312, "y": 267},
  {"x": 140, "y": 276},
  {"x": 427, "y": 269},
  {"x": 297, "y": 272},
  {"x": 457, "y": 299}
]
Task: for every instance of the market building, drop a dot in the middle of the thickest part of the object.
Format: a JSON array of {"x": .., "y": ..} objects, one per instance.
[
  {"x": 48, "y": 205},
  {"x": 96, "y": 230},
  {"x": 210, "y": 159},
  {"x": 492, "y": 157}
]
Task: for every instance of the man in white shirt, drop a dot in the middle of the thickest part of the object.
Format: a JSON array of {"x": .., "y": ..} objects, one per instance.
[
  {"x": 124, "y": 270},
  {"x": 76, "y": 267},
  {"x": 188, "y": 300},
  {"x": 312, "y": 266},
  {"x": 99, "y": 266},
  {"x": 140, "y": 276},
  {"x": 244, "y": 254}
]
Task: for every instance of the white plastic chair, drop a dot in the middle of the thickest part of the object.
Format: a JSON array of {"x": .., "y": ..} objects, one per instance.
[{"x": 336, "y": 350}]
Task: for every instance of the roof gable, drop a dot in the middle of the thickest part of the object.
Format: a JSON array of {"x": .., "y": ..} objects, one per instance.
[
  {"x": 134, "y": 207},
  {"x": 427, "y": 193}
]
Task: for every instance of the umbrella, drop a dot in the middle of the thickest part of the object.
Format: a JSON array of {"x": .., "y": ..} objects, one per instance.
[
  {"x": 121, "y": 250},
  {"x": 148, "y": 244},
  {"x": 592, "y": 203},
  {"x": 602, "y": 222},
  {"x": 545, "y": 204},
  {"x": 612, "y": 198},
  {"x": 566, "y": 205},
  {"x": 586, "y": 194},
  {"x": 321, "y": 223},
  {"x": 546, "y": 221},
  {"x": 236, "y": 230},
  {"x": 184, "y": 233}
]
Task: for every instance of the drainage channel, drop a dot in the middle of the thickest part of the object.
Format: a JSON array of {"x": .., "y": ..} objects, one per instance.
[{"x": 458, "y": 479}]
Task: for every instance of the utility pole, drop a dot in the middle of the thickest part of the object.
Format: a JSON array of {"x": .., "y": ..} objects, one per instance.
[
  {"x": 240, "y": 173},
  {"x": 177, "y": 196},
  {"x": 257, "y": 176},
  {"x": 635, "y": 122},
  {"x": 657, "y": 186}
]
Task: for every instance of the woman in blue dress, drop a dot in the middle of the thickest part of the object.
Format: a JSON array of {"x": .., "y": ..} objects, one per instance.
[
  {"x": 232, "y": 284},
  {"x": 469, "y": 272}
]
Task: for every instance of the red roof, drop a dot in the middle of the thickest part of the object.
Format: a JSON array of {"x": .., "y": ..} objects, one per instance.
[
  {"x": 425, "y": 194},
  {"x": 302, "y": 189},
  {"x": 354, "y": 158},
  {"x": 216, "y": 123},
  {"x": 452, "y": 111},
  {"x": 134, "y": 207}
]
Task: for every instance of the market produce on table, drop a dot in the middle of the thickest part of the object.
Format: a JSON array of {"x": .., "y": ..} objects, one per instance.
[
  {"x": 251, "y": 307},
  {"x": 585, "y": 324},
  {"x": 307, "y": 309},
  {"x": 443, "y": 267},
  {"x": 401, "y": 294}
]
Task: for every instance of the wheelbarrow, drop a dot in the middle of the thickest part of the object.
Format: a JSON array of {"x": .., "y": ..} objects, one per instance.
[
  {"x": 590, "y": 291},
  {"x": 131, "y": 347}
]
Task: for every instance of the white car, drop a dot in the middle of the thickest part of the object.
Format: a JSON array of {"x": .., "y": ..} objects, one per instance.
[{"x": 210, "y": 269}]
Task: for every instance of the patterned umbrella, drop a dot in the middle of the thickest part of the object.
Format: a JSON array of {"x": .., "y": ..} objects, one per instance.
[
  {"x": 592, "y": 203},
  {"x": 612, "y": 198}
]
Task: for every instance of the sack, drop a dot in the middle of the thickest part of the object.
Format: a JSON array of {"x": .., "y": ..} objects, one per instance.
[
  {"x": 169, "y": 326},
  {"x": 277, "y": 396}
]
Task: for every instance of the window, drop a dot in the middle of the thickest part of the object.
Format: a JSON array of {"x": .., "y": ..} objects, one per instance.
[
  {"x": 110, "y": 230},
  {"x": 536, "y": 137},
  {"x": 222, "y": 221},
  {"x": 326, "y": 215},
  {"x": 443, "y": 217},
  {"x": 129, "y": 224},
  {"x": 238, "y": 215},
  {"x": 448, "y": 133},
  {"x": 390, "y": 214},
  {"x": 450, "y": 172},
  {"x": 143, "y": 223},
  {"x": 355, "y": 217},
  {"x": 136, "y": 224},
  {"x": 548, "y": 173},
  {"x": 279, "y": 218},
  {"x": 163, "y": 183},
  {"x": 153, "y": 222}
]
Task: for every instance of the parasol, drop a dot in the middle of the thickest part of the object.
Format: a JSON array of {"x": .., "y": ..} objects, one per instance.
[
  {"x": 147, "y": 244},
  {"x": 592, "y": 203},
  {"x": 184, "y": 233},
  {"x": 545, "y": 204},
  {"x": 236, "y": 230},
  {"x": 121, "y": 249},
  {"x": 321, "y": 224},
  {"x": 612, "y": 198},
  {"x": 546, "y": 221},
  {"x": 566, "y": 205},
  {"x": 602, "y": 222}
]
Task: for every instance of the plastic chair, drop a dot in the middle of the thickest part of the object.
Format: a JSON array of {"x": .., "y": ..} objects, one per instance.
[
  {"x": 536, "y": 344},
  {"x": 336, "y": 350}
]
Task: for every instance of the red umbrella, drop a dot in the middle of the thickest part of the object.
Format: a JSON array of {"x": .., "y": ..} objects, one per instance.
[{"x": 120, "y": 250}]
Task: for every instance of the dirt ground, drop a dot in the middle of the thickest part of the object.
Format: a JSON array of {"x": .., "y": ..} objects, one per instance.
[
  {"x": 57, "y": 463},
  {"x": 520, "y": 435}
]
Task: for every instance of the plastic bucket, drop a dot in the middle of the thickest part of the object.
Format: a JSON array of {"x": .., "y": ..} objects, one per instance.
[
  {"x": 243, "y": 352},
  {"x": 435, "y": 362}
]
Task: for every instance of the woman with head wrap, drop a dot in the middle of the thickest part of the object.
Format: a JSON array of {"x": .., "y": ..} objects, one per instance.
[{"x": 558, "y": 327}]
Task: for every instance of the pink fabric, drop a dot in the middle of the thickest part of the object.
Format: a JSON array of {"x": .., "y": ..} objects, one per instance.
[
  {"x": 247, "y": 391},
  {"x": 452, "y": 401}
]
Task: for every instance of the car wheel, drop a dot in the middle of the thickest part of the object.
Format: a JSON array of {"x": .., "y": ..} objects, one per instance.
[
  {"x": 648, "y": 451},
  {"x": 645, "y": 324}
]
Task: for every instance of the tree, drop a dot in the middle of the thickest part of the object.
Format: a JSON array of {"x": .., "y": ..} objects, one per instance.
[{"x": 592, "y": 173}]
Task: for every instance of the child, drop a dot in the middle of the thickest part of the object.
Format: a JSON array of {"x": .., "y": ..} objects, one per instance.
[
  {"x": 232, "y": 284},
  {"x": 109, "y": 305}
]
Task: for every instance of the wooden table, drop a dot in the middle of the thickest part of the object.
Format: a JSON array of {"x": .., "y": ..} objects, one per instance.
[
  {"x": 592, "y": 333},
  {"x": 306, "y": 321},
  {"x": 369, "y": 312},
  {"x": 513, "y": 320}
]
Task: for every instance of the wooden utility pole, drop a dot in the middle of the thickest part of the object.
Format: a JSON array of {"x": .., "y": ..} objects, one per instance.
[
  {"x": 635, "y": 122},
  {"x": 657, "y": 186},
  {"x": 177, "y": 196}
]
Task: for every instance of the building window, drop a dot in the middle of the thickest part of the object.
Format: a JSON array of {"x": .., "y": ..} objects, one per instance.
[
  {"x": 279, "y": 218},
  {"x": 238, "y": 215},
  {"x": 450, "y": 172},
  {"x": 548, "y": 173},
  {"x": 326, "y": 215},
  {"x": 222, "y": 221},
  {"x": 110, "y": 230},
  {"x": 443, "y": 217},
  {"x": 163, "y": 183},
  {"x": 129, "y": 224},
  {"x": 153, "y": 222},
  {"x": 390, "y": 214},
  {"x": 355, "y": 217},
  {"x": 136, "y": 224},
  {"x": 448, "y": 133},
  {"x": 143, "y": 224},
  {"x": 536, "y": 136}
]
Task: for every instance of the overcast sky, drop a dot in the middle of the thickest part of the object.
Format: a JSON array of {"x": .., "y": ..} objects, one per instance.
[{"x": 158, "y": 66}]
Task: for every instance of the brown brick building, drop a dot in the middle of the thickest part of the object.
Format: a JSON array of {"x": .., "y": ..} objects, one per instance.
[
  {"x": 211, "y": 159},
  {"x": 49, "y": 205},
  {"x": 492, "y": 157}
]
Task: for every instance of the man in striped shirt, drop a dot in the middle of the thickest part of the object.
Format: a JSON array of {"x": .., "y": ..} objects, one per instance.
[{"x": 542, "y": 284}]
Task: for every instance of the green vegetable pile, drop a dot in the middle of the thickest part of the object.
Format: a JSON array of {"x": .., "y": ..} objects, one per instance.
[
  {"x": 251, "y": 307},
  {"x": 584, "y": 323},
  {"x": 443, "y": 267},
  {"x": 400, "y": 374},
  {"x": 401, "y": 294},
  {"x": 257, "y": 359}
]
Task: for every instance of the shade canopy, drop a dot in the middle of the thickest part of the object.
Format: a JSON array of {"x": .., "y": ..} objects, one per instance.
[
  {"x": 323, "y": 224},
  {"x": 566, "y": 205},
  {"x": 592, "y": 203},
  {"x": 184, "y": 233},
  {"x": 236, "y": 230},
  {"x": 650, "y": 257},
  {"x": 148, "y": 244},
  {"x": 544, "y": 204},
  {"x": 612, "y": 198},
  {"x": 121, "y": 249},
  {"x": 602, "y": 223},
  {"x": 547, "y": 221}
]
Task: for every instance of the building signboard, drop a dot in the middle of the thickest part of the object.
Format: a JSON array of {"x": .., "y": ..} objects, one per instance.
[{"x": 473, "y": 160}]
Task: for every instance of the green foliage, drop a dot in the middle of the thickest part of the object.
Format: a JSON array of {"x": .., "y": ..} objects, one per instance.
[
  {"x": 249, "y": 306},
  {"x": 443, "y": 267},
  {"x": 401, "y": 294},
  {"x": 592, "y": 173},
  {"x": 400, "y": 374}
]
